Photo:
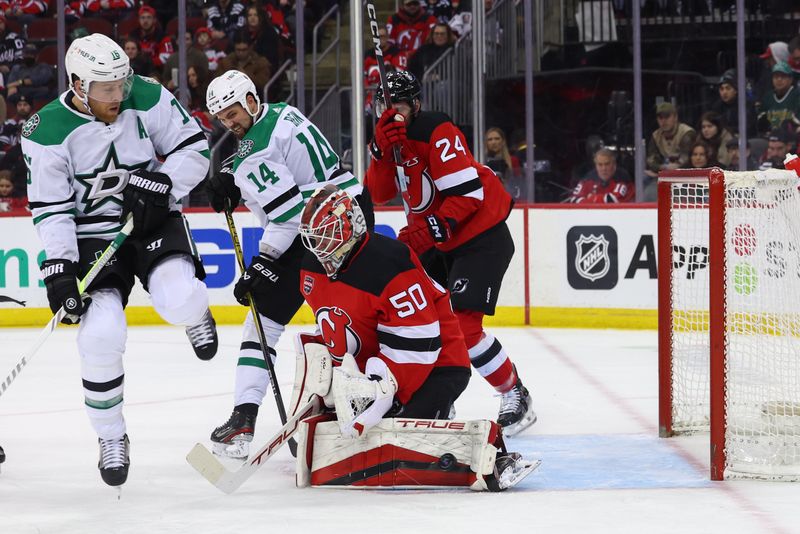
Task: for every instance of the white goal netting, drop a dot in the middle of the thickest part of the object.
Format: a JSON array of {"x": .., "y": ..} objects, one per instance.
[{"x": 762, "y": 310}]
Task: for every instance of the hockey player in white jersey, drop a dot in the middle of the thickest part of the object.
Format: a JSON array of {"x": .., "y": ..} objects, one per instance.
[
  {"x": 282, "y": 159},
  {"x": 93, "y": 158}
]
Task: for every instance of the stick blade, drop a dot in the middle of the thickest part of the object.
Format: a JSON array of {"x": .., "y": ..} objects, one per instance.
[{"x": 210, "y": 468}]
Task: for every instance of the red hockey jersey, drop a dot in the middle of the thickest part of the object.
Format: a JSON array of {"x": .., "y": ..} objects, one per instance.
[
  {"x": 443, "y": 178},
  {"x": 383, "y": 304},
  {"x": 590, "y": 191},
  {"x": 407, "y": 32}
]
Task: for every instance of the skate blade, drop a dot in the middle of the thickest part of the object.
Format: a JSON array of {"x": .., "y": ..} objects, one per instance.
[
  {"x": 512, "y": 477},
  {"x": 235, "y": 450},
  {"x": 512, "y": 430}
]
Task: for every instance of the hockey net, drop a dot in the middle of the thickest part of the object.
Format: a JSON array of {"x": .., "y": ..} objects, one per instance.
[{"x": 729, "y": 317}]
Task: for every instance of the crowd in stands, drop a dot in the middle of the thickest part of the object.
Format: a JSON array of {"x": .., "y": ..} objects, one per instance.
[{"x": 254, "y": 36}]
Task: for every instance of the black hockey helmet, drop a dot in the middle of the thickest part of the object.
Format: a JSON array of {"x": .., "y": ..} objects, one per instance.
[{"x": 403, "y": 87}]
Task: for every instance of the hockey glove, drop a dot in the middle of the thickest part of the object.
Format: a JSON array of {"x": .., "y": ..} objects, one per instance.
[
  {"x": 441, "y": 228},
  {"x": 388, "y": 132},
  {"x": 417, "y": 237},
  {"x": 220, "y": 189},
  {"x": 259, "y": 277},
  {"x": 147, "y": 197},
  {"x": 60, "y": 279}
]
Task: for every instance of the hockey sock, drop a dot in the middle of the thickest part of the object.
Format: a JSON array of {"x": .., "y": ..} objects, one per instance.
[
  {"x": 489, "y": 358},
  {"x": 485, "y": 352},
  {"x": 252, "y": 378}
]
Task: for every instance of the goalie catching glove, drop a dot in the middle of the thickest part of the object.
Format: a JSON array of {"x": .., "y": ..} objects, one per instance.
[
  {"x": 362, "y": 399},
  {"x": 60, "y": 279},
  {"x": 146, "y": 197}
]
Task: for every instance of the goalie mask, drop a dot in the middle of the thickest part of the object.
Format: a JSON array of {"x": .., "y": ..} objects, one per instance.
[{"x": 331, "y": 225}]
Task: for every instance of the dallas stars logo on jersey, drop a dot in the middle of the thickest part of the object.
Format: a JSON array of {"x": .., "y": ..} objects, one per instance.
[{"x": 105, "y": 183}]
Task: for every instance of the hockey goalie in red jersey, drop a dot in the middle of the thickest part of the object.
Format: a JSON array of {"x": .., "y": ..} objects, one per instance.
[
  {"x": 397, "y": 352},
  {"x": 456, "y": 225},
  {"x": 372, "y": 300}
]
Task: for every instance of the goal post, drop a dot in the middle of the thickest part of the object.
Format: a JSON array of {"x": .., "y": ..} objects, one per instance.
[{"x": 729, "y": 317}]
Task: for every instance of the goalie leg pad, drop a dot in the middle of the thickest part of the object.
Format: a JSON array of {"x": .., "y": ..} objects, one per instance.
[
  {"x": 399, "y": 452},
  {"x": 313, "y": 371}
]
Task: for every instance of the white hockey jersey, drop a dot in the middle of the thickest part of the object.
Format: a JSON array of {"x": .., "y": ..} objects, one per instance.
[
  {"x": 71, "y": 154},
  {"x": 281, "y": 161}
]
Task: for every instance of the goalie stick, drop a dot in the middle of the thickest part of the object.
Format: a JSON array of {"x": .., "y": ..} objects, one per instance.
[
  {"x": 273, "y": 379},
  {"x": 209, "y": 466},
  {"x": 400, "y": 173},
  {"x": 82, "y": 285}
]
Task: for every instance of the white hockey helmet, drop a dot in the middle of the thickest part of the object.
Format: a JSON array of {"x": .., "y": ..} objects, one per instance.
[
  {"x": 102, "y": 67},
  {"x": 231, "y": 88}
]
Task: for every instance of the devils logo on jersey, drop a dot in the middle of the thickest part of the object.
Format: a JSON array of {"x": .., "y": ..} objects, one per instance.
[
  {"x": 422, "y": 193},
  {"x": 339, "y": 336}
]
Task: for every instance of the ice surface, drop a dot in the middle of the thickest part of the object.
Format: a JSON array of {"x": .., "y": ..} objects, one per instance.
[{"x": 603, "y": 467}]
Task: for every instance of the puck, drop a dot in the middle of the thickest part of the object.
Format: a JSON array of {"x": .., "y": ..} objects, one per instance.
[{"x": 399, "y": 117}]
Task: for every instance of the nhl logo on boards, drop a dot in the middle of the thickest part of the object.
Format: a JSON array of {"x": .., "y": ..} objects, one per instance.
[
  {"x": 30, "y": 125},
  {"x": 245, "y": 147},
  {"x": 592, "y": 257},
  {"x": 308, "y": 285}
]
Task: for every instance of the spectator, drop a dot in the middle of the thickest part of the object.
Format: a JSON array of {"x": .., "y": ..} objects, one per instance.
[
  {"x": 9, "y": 136},
  {"x": 266, "y": 41},
  {"x": 225, "y": 17},
  {"x": 23, "y": 11},
  {"x": 9, "y": 201},
  {"x": 783, "y": 102},
  {"x": 443, "y": 10},
  {"x": 775, "y": 53},
  {"x": 701, "y": 156},
  {"x": 727, "y": 107},
  {"x": 409, "y": 27},
  {"x": 140, "y": 63},
  {"x": 777, "y": 148},
  {"x": 670, "y": 144},
  {"x": 116, "y": 8},
  {"x": 498, "y": 158},
  {"x": 148, "y": 34},
  {"x": 715, "y": 136},
  {"x": 604, "y": 184},
  {"x": 204, "y": 42},
  {"x": 393, "y": 59},
  {"x": 11, "y": 45},
  {"x": 30, "y": 78},
  {"x": 733, "y": 151},
  {"x": 438, "y": 42},
  {"x": 244, "y": 59},
  {"x": 276, "y": 12},
  {"x": 194, "y": 58},
  {"x": 794, "y": 57}
]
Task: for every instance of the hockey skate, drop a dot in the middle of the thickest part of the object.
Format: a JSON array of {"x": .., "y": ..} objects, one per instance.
[
  {"x": 115, "y": 458},
  {"x": 232, "y": 440},
  {"x": 203, "y": 337},
  {"x": 516, "y": 410},
  {"x": 509, "y": 470}
]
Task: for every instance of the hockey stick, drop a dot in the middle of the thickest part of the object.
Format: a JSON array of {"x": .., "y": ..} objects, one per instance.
[
  {"x": 400, "y": 173},
  {"x": 82, "y": 285},
  {"x": 209, "y": 466},
  {"x": 276, "y": 391}
]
